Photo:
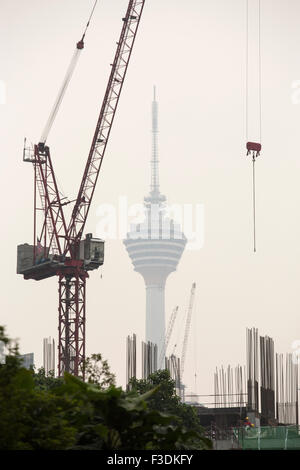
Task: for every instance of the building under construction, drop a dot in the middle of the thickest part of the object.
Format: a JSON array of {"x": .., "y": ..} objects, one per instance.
[
  {"x": 253, "y": 406},
  {"x": 256, "y": 404},
  {"x": 149, "y": 362}
]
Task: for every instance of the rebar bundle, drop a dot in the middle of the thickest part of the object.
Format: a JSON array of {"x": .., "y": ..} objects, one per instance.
[
  {"x": 287, "y": 385},
  {"x": 130, "y": 358},
  {"x": 149, "y": 359},
  {"x": 267, "y": 377},
  {"x": 229, "y": 387},
  {"x": 172, "y": 364},
  {"x": 49, "y": 356},
  {"x": 252, "y": 368}
]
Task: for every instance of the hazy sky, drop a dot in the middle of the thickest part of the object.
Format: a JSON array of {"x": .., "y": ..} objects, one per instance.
[{"x": 194, "y": 51}]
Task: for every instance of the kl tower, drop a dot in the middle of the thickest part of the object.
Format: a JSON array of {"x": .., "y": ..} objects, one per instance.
[{"x": 155, "y": 246}]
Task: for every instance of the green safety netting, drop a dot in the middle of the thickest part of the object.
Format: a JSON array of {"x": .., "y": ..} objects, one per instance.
[{"x": 268, "y": 438}]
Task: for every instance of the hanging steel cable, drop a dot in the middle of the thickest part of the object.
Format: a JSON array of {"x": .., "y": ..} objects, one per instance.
[
  {"x": 66, "y": 81},
  {"x": 253, "y": 148}
]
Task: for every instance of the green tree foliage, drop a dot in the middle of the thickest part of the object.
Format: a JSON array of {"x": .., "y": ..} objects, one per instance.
[
  {"x": 112, "y": 419},
  {"x": 167, "y": 401},
  {"x": 97, "y": 371},
  {"x": 44, "y": 413},
  {"x": 46, "y": 382},
  {"x": 29, "y": 418}
]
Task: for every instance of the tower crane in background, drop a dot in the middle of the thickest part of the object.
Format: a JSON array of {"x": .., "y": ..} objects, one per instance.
[
  {"x": 187, "y": 332},
  {"x": 58, "y": 248},
  {"x": 168, "y": 336}
]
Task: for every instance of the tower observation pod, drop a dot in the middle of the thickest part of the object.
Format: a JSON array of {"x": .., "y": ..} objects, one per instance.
[{"x": 155, "y": 246}]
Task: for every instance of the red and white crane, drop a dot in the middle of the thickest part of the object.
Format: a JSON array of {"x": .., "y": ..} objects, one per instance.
[{"x": 58, "y": 248}]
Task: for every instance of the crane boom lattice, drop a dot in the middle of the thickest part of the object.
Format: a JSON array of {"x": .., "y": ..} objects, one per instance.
[
  {"x": 105, "y": 121},
  {"x": 168, "y": 336},
  {"x": 187, "y": 330}
]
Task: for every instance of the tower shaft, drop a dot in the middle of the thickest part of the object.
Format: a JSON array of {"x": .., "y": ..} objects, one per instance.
[{"x": 155, "y": 314}]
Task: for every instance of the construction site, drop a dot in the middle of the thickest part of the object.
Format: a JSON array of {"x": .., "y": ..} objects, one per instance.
[
  {"x": 253, "y": 406},
  {"x": 199, "y": 274}
]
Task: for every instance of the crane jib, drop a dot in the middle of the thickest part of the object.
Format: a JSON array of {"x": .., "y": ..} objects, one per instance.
[
  {"x": 66, "y": 81},
  {"x": 104, "y": 124}
]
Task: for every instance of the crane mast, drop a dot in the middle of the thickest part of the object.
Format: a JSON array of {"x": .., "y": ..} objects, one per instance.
[{"x": 59, "y": 250}]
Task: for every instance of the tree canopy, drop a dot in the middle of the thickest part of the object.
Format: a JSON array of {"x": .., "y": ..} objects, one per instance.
[
  {"x": 166, "y": 400},
  {"x": 46, "y": 413}
]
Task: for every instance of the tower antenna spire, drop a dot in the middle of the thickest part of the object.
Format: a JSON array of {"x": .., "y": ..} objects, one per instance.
[{"x": 154, "y": 159}]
